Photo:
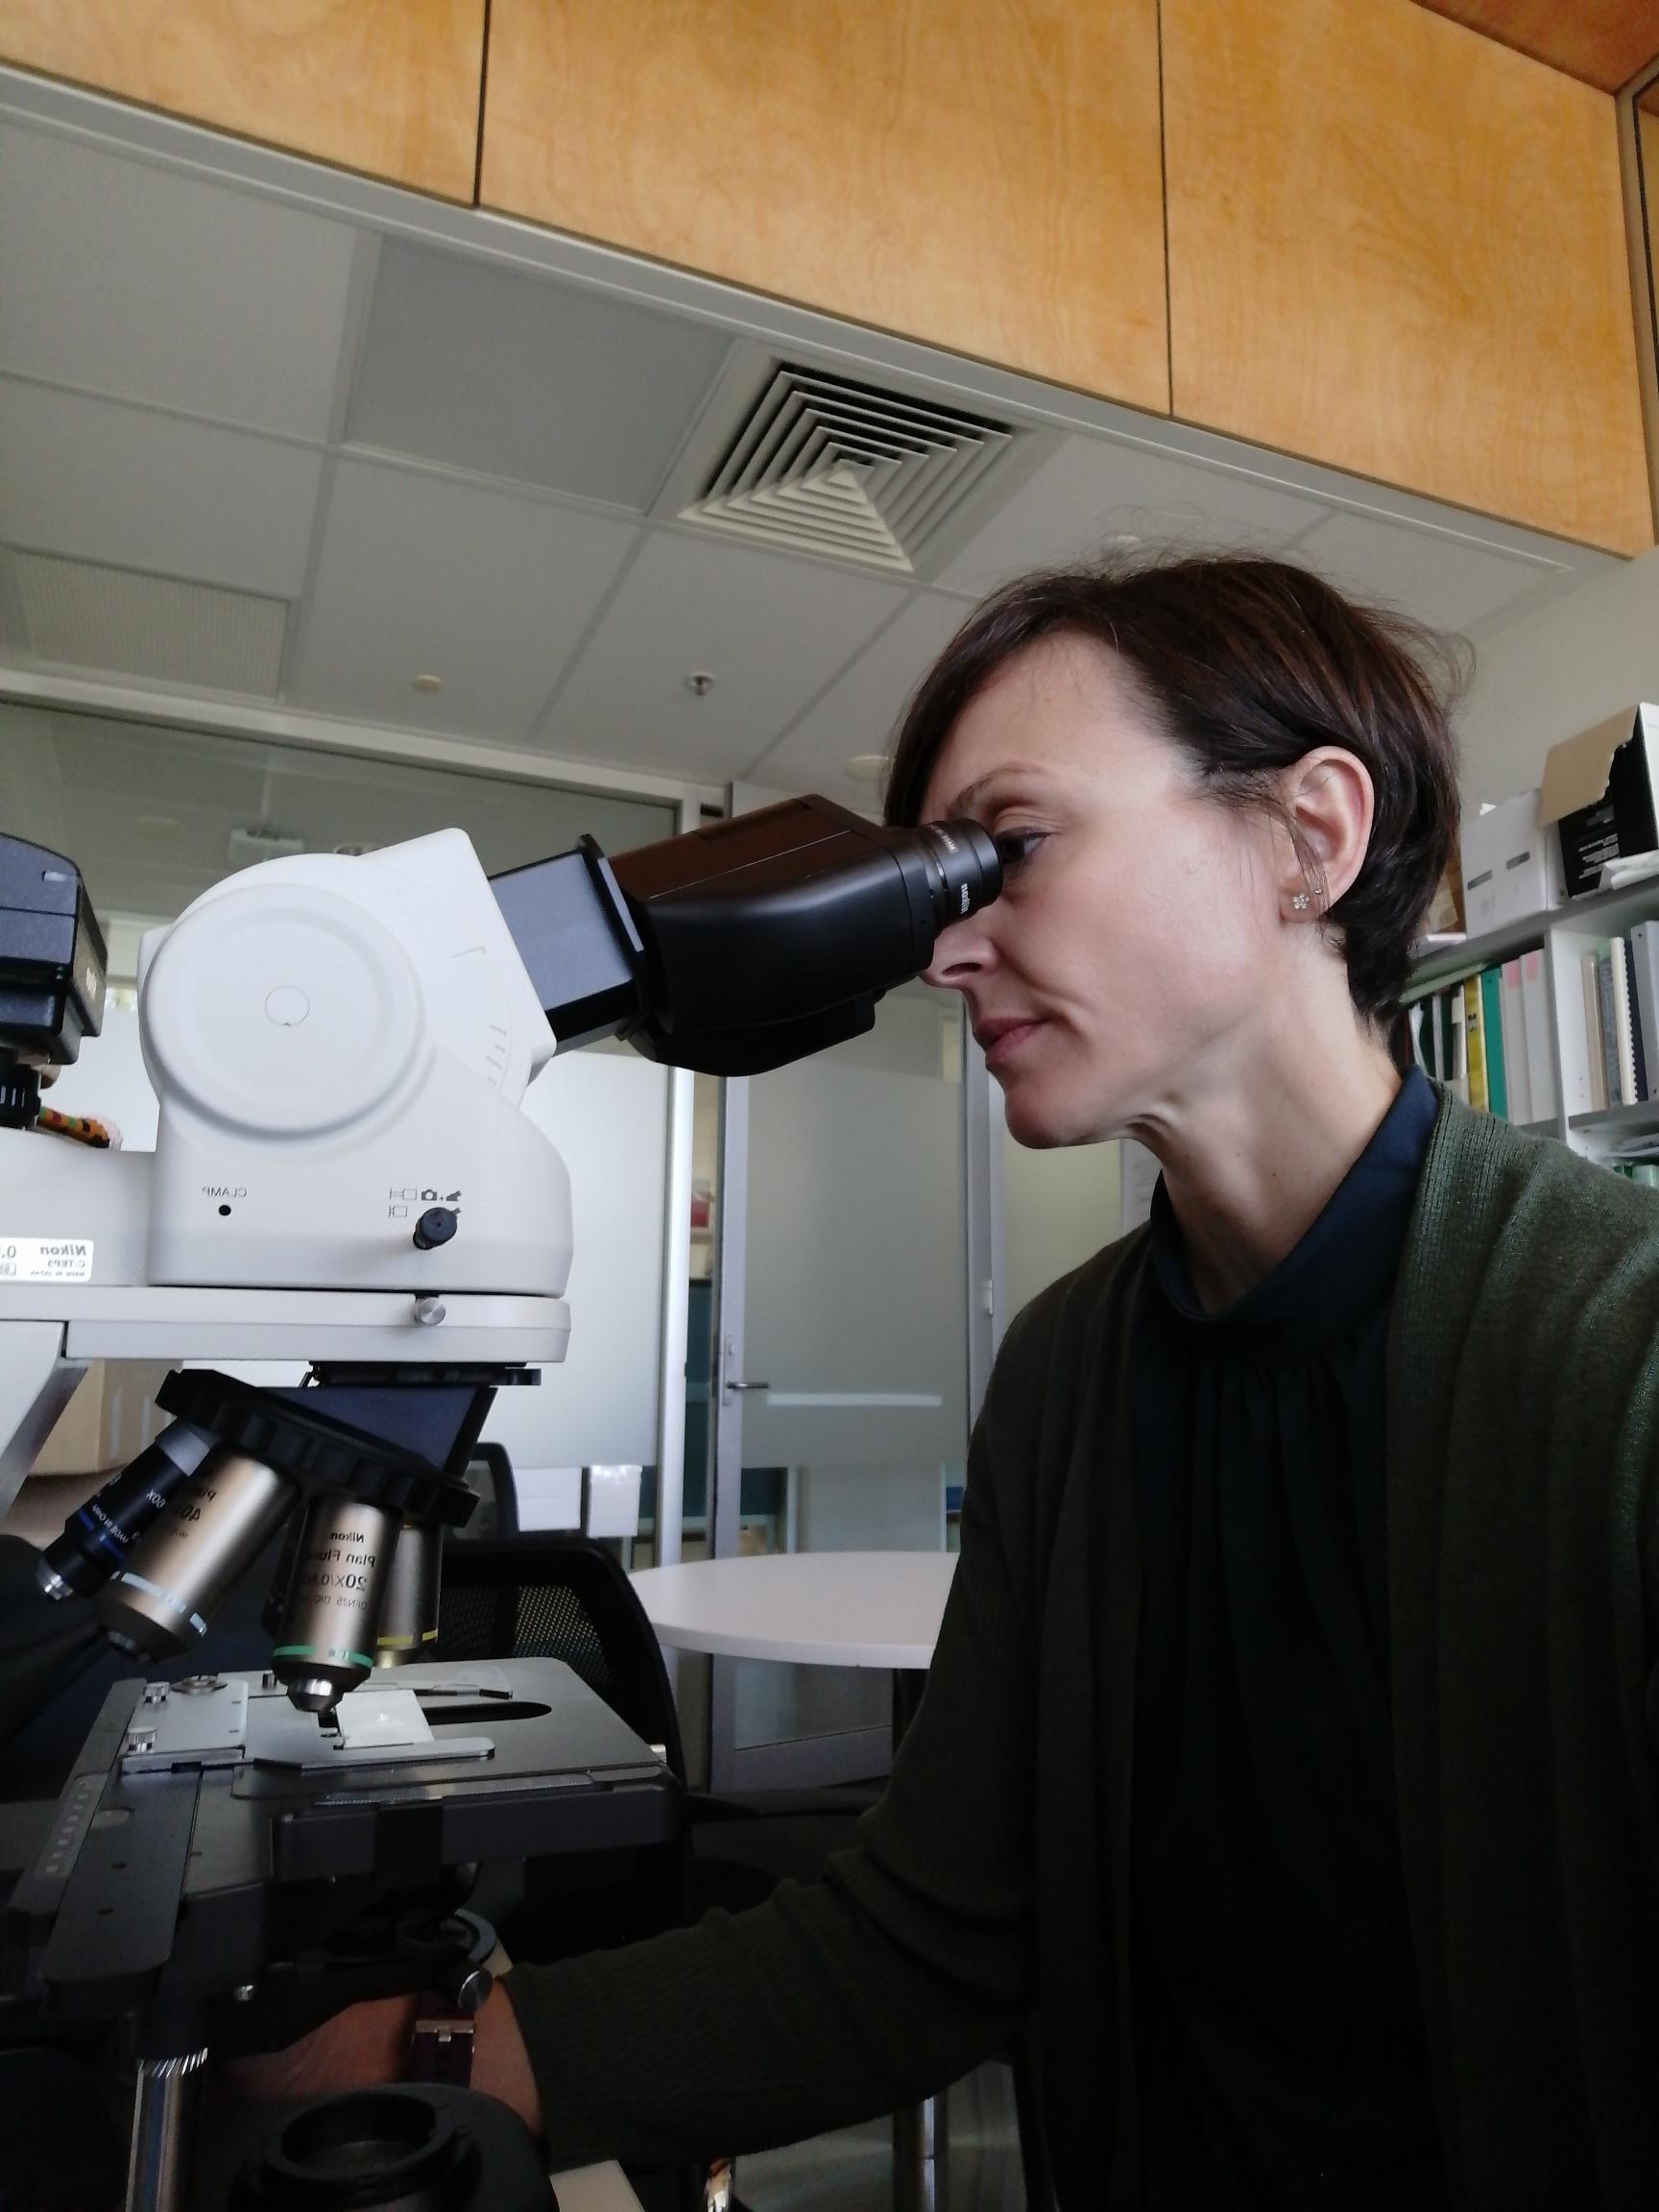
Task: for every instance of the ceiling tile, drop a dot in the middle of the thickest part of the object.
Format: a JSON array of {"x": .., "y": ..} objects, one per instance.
[
  {"x": 768, "y": 629},
  {"x": 1444, "y": 581},
  {"x": 96, "y": 481},
  {"x": 489, "y": 591},
  {"x": 119, "y": 621},
  {"x": 525, "y": 378},
  {"x": 1093, "y": 489},
  {"x": 859, "y": 712},
  {"x": 146, "y": 284}
]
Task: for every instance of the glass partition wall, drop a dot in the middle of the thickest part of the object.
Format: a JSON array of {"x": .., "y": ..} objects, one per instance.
[{"x": 840, "y": 1374}]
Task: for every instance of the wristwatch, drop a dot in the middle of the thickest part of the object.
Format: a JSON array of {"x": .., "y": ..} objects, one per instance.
[
  {"x": 445, "y": 2022},
  {"x": 441, "y": 2048}
]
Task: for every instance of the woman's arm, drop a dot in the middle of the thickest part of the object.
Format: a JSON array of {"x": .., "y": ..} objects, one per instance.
[{"x": 910, "y": 1962}]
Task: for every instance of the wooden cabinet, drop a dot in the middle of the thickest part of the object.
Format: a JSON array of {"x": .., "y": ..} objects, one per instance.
[
  {"x": 1390, "y": 244},
  {"x": 1604, "y": 42},
  {"x": 983, "y": 175},
  {"x": 386, "y": 87},
  {"x": 1398, "y": 247}
]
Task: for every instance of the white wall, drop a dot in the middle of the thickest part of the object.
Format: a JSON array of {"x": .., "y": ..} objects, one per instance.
[
  {"x": 1058, "y": 1209},
  {"x": 1557, "y": 672}
]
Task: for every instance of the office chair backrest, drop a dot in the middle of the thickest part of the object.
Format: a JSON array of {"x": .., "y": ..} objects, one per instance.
[
  {"x": 561, "y": 1597},
  {"x": 496, "y": 1516}
]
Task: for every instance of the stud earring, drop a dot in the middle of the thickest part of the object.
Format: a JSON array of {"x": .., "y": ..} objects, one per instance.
[{"x": 1301, "y": 902}]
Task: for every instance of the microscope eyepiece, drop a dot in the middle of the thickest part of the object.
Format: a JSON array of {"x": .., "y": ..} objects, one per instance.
[{"x": 964, "y": 869}]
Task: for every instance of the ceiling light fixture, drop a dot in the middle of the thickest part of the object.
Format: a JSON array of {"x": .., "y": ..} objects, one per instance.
[
  {"x": 868, "y": 767},
  {"x": 427, "y": 681}
]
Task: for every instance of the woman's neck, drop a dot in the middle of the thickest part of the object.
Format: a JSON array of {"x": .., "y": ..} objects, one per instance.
[{"x": 1252, "y": 1156}]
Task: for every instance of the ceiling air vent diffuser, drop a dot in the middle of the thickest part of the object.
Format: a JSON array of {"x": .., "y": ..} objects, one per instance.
[{"x": 824, "y": 466}]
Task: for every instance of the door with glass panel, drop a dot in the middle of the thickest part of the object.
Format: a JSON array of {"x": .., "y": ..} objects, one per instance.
[{"x": 841, "y": 1371}]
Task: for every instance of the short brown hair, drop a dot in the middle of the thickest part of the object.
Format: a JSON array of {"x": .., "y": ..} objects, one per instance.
[{"x": 1248, "y": 665}]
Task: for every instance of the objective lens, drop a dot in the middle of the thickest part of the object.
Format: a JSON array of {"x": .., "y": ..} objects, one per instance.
[
  {"x": 99, "y": 1535},
  {"x": 325, "y": 1644},
  {"x": 965, "y": 872},
  {"x": 409, "y": 1609},
  {"x": 213, "y": 1526}
]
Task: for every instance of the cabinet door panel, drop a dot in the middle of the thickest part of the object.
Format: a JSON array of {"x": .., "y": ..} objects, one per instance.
[
  {"x": 980, "y": 173},
  {"x": 386, "y": 87},
  {"x": 1398, "y": 247}
]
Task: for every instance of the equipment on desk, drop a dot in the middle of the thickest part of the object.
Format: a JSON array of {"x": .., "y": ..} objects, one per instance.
[{"x": 340, "y": 1046}]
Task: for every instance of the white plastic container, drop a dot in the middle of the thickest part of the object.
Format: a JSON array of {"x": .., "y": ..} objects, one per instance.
[{"x": 1511, "y": 864}]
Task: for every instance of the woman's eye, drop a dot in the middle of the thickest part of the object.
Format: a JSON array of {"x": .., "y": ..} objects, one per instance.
[{"x": 1014, "y": 847}]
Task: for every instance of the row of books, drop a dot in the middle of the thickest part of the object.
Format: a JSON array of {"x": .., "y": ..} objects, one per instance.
[
  {"x": 1620, "y": 989},
  {"x": 1487, "y": 1039}
]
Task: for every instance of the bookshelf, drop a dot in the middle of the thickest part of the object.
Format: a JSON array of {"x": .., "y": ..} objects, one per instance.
[{"x": 1564, "y": 935}]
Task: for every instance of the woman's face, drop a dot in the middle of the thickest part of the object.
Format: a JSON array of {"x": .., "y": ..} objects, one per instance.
[{"x": 1136, "y": 947}]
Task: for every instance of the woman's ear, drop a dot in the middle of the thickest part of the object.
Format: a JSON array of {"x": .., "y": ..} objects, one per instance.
[{"x": 1328, "y": 803}]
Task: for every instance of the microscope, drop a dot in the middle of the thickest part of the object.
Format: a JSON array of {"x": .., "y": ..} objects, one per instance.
[{"x": 342, "y": 1174}]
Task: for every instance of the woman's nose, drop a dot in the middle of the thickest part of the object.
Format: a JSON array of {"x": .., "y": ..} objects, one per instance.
[{"x": 959, "y": 953}]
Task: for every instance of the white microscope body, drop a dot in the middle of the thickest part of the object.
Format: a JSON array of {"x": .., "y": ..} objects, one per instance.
[{"x": 338, "y": 1045}]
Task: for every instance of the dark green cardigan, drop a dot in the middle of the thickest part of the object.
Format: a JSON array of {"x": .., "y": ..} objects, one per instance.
[{"x": 1523, "y": 1458}]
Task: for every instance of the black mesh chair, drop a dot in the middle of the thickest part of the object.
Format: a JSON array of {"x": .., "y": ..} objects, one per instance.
[{"x": 561, "y": 1596}]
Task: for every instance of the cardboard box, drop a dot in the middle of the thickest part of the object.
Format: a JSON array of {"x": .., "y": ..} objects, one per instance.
[
  {"x": 1446, "y": 915},
  {"x": 1511, "y": 864},
  {"x": 1602, "y": 788}
]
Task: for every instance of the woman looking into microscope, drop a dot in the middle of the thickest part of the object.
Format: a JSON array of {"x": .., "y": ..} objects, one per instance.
[{"x": 1290, "y": 1745}]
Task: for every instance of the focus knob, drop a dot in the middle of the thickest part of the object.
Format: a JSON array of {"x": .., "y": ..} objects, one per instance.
[{"x": 435, "y": 1227}]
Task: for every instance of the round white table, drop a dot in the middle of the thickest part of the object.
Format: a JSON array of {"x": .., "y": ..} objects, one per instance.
[
  {"x": 816, "y": 1608},
  {"x": 823, "y": 1609}
]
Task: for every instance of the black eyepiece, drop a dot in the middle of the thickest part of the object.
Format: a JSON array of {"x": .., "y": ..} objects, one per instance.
[{"x": 969, "y": 875}]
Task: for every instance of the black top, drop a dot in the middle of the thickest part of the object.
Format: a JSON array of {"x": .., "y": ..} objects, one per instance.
[{"x": 1279, "y": 2034}]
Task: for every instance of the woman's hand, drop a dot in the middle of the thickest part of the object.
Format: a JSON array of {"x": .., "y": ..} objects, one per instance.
[{"x": 369, "y": 2044}]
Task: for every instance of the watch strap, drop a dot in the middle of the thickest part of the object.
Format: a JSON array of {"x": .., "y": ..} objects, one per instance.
[{"x": 441, "y": 2048}]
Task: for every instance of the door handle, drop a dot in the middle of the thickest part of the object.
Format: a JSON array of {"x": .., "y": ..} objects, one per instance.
[{"x": 748, "y": 1385}]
